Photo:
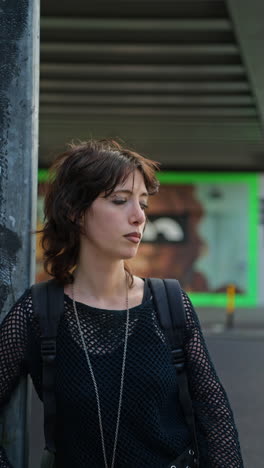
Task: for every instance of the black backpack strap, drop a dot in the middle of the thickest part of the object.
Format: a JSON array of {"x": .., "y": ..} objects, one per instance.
[
  {"x": 167, "y": 297},
  {"x": 48, "y": 304}
]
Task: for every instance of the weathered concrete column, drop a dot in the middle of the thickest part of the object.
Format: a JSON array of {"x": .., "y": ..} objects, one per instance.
[{"x": 19, "y": 90}]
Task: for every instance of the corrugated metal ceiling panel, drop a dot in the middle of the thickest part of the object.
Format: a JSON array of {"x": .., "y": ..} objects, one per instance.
[{"x": 132, "y": 59}]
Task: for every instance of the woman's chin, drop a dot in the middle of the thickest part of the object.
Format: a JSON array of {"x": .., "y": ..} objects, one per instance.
[{"x": 131, "y": 253}]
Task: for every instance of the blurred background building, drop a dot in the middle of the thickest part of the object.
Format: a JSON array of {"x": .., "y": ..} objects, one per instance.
[{"x": 181, "y": 82}]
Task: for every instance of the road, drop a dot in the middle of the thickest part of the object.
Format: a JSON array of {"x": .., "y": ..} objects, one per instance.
[{"x": 239, "y": 364}]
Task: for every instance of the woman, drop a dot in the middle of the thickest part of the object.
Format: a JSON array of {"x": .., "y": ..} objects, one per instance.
[{"x": 116, "y": 389}]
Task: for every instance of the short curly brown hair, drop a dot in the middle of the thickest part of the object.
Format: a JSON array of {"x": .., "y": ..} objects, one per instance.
[{"x": 78, "y": 176}]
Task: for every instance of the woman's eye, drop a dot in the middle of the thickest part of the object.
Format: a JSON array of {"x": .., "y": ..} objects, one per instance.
[{"x": 119, "y": 202}]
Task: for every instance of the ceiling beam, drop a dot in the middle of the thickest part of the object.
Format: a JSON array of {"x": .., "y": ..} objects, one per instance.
[
  {"x": 247, "y": 129},
  {"x": 124, "y": 30},
  {"x": 179, "y": 112},
  {"x": 150, "y": 53},
  {"x": 167, "y": 87},
  {"x": 147, "y": 100},
  {"x": 190, "y": 72},
  {"x": 58, "y": 24},
  {"x": 137, "y": 8}
]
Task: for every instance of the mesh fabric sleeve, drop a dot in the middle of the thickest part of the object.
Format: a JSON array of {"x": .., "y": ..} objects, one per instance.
[
  {"x": 216, "y": 431},
  {"x": 13, "y": 345}
]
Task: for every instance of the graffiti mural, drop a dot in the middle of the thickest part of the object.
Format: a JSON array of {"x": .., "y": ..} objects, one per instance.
[{"x": 198, "y": 234}]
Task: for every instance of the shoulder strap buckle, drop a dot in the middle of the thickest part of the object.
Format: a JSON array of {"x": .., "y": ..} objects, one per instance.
[
  {"x": 178, "y": 359},
  {"x": 48, "y": 349}
]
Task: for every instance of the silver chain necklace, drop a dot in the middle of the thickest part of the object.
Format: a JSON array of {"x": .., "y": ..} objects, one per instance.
[{"x": 95, "y": 384}]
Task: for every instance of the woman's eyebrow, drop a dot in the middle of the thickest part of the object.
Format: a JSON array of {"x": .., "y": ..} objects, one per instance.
[{"x": 143, "y": 194}]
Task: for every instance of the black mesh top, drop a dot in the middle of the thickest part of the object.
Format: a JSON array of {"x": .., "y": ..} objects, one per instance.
[{"x": 152, "y": 427}]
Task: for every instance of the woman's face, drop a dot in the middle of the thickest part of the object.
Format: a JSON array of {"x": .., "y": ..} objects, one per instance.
[{"x": 113, "y": 226}]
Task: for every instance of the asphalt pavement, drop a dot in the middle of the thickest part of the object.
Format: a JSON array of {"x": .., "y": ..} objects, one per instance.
[
  {"x": 239, "y": 364},
  {"x": 244, "y": 322},
  {"x": 237, "y": 353}
]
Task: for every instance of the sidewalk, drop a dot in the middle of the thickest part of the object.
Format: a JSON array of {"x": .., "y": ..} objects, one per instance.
[{"x": 247, "y": 322}]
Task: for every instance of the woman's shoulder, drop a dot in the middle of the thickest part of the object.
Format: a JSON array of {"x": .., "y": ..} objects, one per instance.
[
  {"x": 24, "y": 302},
  {"x": 19, "y": 324},
  {"x": 191, "y": 318},
  {"x": 190, "y": 313},
  {"x": 22, "y": 309}
]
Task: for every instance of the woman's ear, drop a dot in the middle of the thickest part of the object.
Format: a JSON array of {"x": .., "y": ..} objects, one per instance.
[
  {"x": 81, "y": 223},
  {"x": 70, "y": 214},
  {"x": 80, "y": 220}
]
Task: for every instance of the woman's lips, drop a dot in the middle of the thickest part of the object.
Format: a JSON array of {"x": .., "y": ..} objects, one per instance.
[{"x": 133, "y": 237}]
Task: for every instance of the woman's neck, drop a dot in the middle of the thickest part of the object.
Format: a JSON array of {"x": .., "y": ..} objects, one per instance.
[{"x": 100, "y": 280}]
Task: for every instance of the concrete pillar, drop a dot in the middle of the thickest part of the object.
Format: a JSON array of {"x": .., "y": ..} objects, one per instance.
[{"x": 19, "y": 82}]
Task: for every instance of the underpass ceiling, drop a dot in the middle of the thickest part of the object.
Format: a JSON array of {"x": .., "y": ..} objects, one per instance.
[{"x": 168, "y": 77}]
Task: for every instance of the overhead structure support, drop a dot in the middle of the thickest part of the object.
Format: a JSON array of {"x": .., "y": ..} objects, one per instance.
[{"x": 248, "y": 23}]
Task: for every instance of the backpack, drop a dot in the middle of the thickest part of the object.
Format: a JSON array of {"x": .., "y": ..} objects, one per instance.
[{"x": 48, "y": 304}]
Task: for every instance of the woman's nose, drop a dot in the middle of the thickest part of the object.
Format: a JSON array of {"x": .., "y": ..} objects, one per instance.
[{"x": 138, "y": 215}]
